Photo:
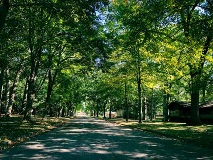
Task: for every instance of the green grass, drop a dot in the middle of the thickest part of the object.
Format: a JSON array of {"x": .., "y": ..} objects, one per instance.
[
  {"x": 198, "y": 135},
  {"x": 13, "y": 130}
]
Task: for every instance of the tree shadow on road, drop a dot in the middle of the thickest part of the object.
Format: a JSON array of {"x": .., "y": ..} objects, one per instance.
[{"x": 92, "y": 139}]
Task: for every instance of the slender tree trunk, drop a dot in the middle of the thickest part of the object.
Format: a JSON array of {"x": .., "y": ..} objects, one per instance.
[
  {"x": 35, "y": 48},
  {"x": 204, "y": 86},
  {"x": 152, "y": 105},
  {"x": 145, "y": 109},
  {"x": 24, "y": 97},
  {"x": 165, "y": 107},
  {"x": 97, "y": 113},
  {"x": 126, "y": 102},
  {"x": 97, "y": 108},
  {"x": 139, "y": 96},
  {"x": 30, "y": 97},
  {"x": 138, "y": 61},
  {"x": 51, "y": 82},
  {"x": 1, "y": 87},
  {"x": 94, "y": 112},
  {"x": 110, "y": 110},
  {"x": 12, "y": 93},
  {"x": 204, "y": 93},
  {"x": 31, "y": 92},
  {"x": 3, "y": 12},
  {"x": 5, "y": 95},
  {"x": 49, "y": 91},
  {"x": 104, "y": 110}
]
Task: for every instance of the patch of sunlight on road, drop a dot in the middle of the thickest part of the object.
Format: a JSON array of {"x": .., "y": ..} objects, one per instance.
[
  {"x": 79, "y": 130},
  {"x": 99, "y": 146},
  {"x": 150, "y": 144},
  {"x": 60, "y": 139},
  {"x": 35, "y": 146},
  {"x": 63, "y": 150},
  {"x": 101, "y": 151},
  {"x": 39, "y": 156},
  {"x": 139, "y": 155},
  {"x": 56, "y": 150},
  {"x": 108, "y": 132}
]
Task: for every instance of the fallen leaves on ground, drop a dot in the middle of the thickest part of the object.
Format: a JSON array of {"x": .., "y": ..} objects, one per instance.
[{"x": 14, "y": 130}]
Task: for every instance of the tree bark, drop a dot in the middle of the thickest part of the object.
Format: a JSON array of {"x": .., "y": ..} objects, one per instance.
[
  {"x": 110, "y": 110},
  {"x": 152, "y": 105},
  {"x": 139, "y": 96},
  {"x": 165, "y": 107},
  {"x": 194, "y": 110},
  {"x": 31, "y": 92},
  {"x": 1, "y": 87},
  {"x": 196, "y": 73},
  {"x": 12, "y": 93},
  {"x": 145, "y": 107},
  {"x": 5, "y": 94},
  {"x": 126, "y": 102},
  {"x": 195, "y": 69},
  {"x": 24, "y": 97},
  {"x": 51, "y": 81},
  {"x": 35, "y": 49},
  {"x": 3, "y": 12},
  {"x": 104, "y": 110}
]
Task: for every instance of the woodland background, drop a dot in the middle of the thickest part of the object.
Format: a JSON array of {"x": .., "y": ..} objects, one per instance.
[{"x": 59, "y": 56}]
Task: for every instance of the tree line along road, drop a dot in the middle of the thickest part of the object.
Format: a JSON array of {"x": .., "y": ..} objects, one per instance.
[{"x": 86, "y": 138}]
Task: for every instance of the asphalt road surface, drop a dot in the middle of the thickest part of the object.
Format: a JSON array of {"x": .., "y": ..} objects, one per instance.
[{"x": 86, "y": 138}]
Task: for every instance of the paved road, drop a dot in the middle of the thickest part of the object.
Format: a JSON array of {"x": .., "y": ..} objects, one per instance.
[{"x": 85, "y": 138}]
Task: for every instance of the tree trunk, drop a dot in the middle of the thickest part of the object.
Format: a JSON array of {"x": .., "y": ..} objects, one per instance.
[
  {"x": 3, "y": 12},
  {"x": 30, "y": 97},
  {"x": 110, "y": 111},
  {"x": 12, "y": 93},
  {"x": 204, "y": 85},
  {"x": 139, "y": 96},
  {"x": 165, "y": 107},
  {"x": 97, "y": 108},
  {"x": 138, "y": 61},
  {"x": 1, "y": 87},
  {"x": 49, "y": 93},
  {"x": 196, "y": 73},
  {"x": 152, "y": 105},
  {"x": 5, "y": 94},
  {"x": 31, "y": 92},
  {"x": 35, "y": 48},
  {"x": 97, "y": 113},
  {"x": 194, "y": 110},
  {"x": 145, "y": 108},
  {"x": 24, "y": 97},
  {"x": 104, "y": 110},
  {"x": 51, "y": 82},
  {"x": 126, "y": 103}
]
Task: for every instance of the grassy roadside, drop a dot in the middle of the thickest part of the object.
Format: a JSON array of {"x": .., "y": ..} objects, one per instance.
[
  {"x": 198, "y": 135},
  {"x": 13, "y": 130}
]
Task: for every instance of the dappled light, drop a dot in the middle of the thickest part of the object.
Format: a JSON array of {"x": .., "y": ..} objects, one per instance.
[
  {"x": 85, "y": 138},
  {"x": 141, "y": 69}
]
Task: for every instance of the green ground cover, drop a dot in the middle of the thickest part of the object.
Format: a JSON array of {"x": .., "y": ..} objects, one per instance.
[
  {"x": 14, "y": 130},
  {"x": 198, "y": 135}
]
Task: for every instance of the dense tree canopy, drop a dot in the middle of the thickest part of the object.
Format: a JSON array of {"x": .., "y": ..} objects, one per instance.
[{"x": 133, "y": 57}]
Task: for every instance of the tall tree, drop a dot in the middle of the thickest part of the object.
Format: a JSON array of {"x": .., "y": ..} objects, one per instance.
[{"x": 195, "y": 19}]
